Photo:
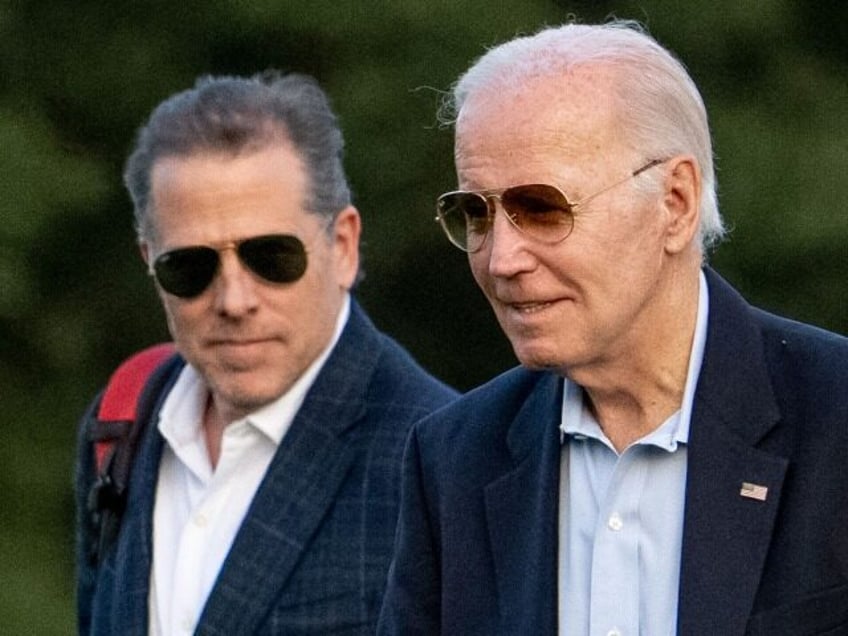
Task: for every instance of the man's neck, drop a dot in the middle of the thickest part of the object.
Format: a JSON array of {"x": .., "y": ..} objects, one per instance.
[
  {"x": 633, "y": 393},
  {"x": 213, "y": 432}
]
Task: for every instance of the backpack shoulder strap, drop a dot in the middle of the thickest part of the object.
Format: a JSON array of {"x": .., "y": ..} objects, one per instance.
[
  {"x": 119, "y": 404},
  {"x": 114, "y": 433}
]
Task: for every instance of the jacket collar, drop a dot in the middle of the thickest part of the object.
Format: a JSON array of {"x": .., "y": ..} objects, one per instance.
[
  {"x": 299, "y": 488},
  {"x": 726, "y": 533}
]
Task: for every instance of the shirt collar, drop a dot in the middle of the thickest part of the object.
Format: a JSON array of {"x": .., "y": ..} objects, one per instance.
[{"x": 274, "y": 419}]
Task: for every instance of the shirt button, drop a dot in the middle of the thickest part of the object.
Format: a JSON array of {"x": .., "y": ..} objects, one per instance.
[
  {"x": 614, "y": 632},
  {"x": 615, "y": 524},
  {"x": 200, "y": 520}
]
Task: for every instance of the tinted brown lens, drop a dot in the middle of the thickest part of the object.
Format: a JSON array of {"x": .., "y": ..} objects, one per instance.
[
  {"x": 539, "y": 209},
  {"x": 465, "y": 218},
  {"x": 476, "y": 212}
]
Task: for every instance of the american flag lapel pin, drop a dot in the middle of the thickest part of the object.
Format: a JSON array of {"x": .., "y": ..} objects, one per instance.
[{"x": 754, "y": 491}]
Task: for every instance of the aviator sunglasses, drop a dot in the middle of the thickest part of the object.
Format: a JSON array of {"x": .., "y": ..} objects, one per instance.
[
  {"x": 187, "y": 272},
  {"x": 539, "y": 210}
]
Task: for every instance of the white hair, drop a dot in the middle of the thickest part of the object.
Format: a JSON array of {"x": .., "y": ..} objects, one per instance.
[{"x": 661, "y": 111}]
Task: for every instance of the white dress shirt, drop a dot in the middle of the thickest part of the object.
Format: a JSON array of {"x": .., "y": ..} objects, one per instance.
[
  {"x": 198, "y": 509},
  {"x": 621, "y": 517}
]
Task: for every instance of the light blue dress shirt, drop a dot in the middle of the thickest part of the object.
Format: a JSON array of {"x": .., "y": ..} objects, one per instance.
[{"x": 621, "y": 517}]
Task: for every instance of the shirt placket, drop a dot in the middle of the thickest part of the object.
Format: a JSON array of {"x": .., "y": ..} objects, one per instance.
[{"x": 615, "y": 559}]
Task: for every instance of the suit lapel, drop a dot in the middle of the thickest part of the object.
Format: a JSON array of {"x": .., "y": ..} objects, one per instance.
[
  {"x": 298, "y": 490},
  {"x": 727, "y": 533},
  {"x": 134, "y": 551},
  {"x": 521, "y": 514}
]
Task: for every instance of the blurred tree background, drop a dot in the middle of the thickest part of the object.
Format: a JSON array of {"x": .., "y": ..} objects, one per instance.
[{"x": 79, "y": 77}]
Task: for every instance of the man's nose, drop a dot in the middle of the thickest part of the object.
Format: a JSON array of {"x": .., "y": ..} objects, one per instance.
[
  {"x": 507, "y": 251},
  {"x": 234, "y": 286}
]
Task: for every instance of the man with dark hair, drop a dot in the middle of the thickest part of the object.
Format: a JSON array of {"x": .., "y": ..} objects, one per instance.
[
  {"x": 668, "y": 459},
  {"x": 263, "y": 494}
]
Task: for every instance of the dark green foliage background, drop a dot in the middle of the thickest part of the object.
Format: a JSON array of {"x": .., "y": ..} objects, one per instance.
[{"x": 77, "y": 78}]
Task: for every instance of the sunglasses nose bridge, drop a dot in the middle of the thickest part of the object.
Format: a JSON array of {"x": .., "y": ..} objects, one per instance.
[
  {"x": 232, "y": 246},
  {"x": 227, "y": 262},
  {"x": 230, "y": 265},
  {"x": 233, "y": 285},
  {"x": 512, "y": 217}
]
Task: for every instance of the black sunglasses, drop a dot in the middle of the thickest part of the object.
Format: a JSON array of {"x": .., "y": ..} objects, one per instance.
[{"x": 186, "y": 272}]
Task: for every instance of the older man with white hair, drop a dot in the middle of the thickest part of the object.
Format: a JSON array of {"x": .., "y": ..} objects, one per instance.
[{"x": 667, "y": 459}]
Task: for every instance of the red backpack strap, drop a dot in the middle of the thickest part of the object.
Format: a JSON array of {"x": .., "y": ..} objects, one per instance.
[
  {"x": 114, "y": 433},
  {"x": 121, "y": 396}
]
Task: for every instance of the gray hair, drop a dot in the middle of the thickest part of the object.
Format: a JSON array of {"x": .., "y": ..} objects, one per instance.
[
  {"x": 237, "y": 114},
  {"x": 661, "y": 110}
]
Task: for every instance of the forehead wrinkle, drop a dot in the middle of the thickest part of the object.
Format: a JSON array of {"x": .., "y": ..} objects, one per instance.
[
  {"x": 561, "y": 142},
  {"x": 541, "y": 151}
]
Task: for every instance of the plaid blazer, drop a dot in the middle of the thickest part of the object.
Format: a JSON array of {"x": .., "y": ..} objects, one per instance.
[{"x": 312, "y": 554}]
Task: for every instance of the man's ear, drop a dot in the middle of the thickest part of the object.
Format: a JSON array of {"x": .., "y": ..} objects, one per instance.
[
  {"x": 346, "y": 232},
  {"x": 682, "y": 202}
]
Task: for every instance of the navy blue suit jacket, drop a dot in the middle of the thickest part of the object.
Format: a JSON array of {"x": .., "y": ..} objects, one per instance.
[
  {"x": 312, "y": 553},
  {"x": 477, "y": 538}
]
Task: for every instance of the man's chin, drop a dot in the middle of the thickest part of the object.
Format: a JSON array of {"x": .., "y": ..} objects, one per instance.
[
  {"x": 242, "y": 400},
  {"x": 534, "y": 357}
]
